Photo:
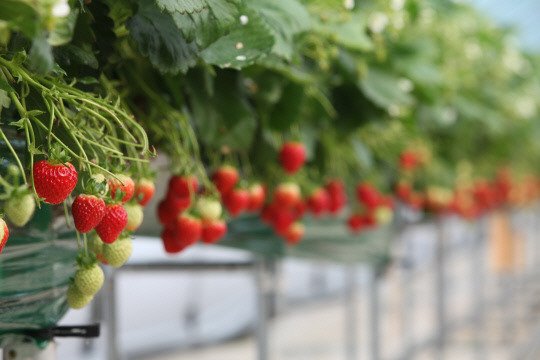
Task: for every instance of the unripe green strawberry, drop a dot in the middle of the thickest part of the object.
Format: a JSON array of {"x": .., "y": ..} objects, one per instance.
[
  {"x": 209, "y": 209},
  {"x": 89, "y": 279},
  {"x": 117, "y": 253},
  {"x": 95, "y": 245},
  {"x": 76, "y": 299},
  {"x": 135, "y": 216},
  {"x": 19, "y": 209},
  {"x": 100, "y": 178}
]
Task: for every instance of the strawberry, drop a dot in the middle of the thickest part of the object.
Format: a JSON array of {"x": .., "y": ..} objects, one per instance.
[
  {"x": 209, "y": 209},
  {"x": 87, "y": 211},
  {"x": 213, "y": 230},
  {"x": 171, "y": 241},
  {"x": 135, "y": 216},
  {"x": 104, "y": 186},
  {"x": 124, "y": 183},
  {"x": 188, "y": 229},
  {"x": 236, "y": 201},
  {"x": 257, "y": 196},
  {"x": 268, "y": 213},
  {"x": 404, "y": 190},
  {"x": 337, "y": 194},
  {"x": 292, "y": 156},
  {"x": 89, "y": 279},
  {"x": 112, "y": 224},
  {"x": 169, "y": 208},
  {"x": 409, "y": 160},
  {"x": 367, "y": 194},
  {"x": 356, "y": 222},
  {"x": 318, "y": 202},
  {"x": 54, "y": 182},
  {"x": 76, "y": 299},
  {"x": 225, "y": 178},
  {"x": 118, "y": 253},
  {"x": 283, "y": 219},
  {"x": 182, "y": 186},
  {"x": 294, "y": 233},
  {"x": 4, "y": 234},
  {"x": 300, "y": 208},
  {"x": 144, "y": 191},
  {"x": 95, "y": 245},
  {"x": 287, "y": 195},
  {"x": 20, "y": 208},
  {"x": 383, "y": 215}
]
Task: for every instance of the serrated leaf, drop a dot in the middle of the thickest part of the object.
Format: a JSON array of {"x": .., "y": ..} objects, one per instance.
[
  {"x": 285, "y": 18},
  {"x": 40, "y": 56},
  {"x": 224, "y": 119},
  {"x": 210, "y": 24},
  {"x": 181, "y": 6},
  {"x": 160, "y": 39},
  {"x": 351, "y": 34},
  {"x": 382, "y": 88},
  {"x": 242, "y": 46}
]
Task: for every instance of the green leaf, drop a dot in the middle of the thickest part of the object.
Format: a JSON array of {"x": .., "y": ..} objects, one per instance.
[
  {"x": 40, "y": 56},
  {"x": 382, "y": 88},
  {"x": 181, "y": 6},
  {"x": 208, "y": 25},
  {"x": 224, "y": 119},
  {"x": 63, "y": 31},
  {"x": 160, "y": 39},
  {"x": 242, "y": 46},
  {"x": 72, "y": 54},
  {"x": 19, "y": 15},
  {"x": 88, "y": 80},
  {"x": 5, "y": 100},
  {"x": 351, "y": 34},
  {"x": 285, "y": 19}
]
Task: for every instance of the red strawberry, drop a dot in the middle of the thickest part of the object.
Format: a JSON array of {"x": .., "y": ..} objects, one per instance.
[
  {"x": 295, "y": 233},
  {"x": 300, "y": 208},
  {"x": 257, "y": 196},
  {"x": 283, "y": 219},
  {"x": 182, "y": 186},
  {"x": 225, "y": 178},
  {"x": 236, "y": 201},
  {"x": 4, "y": 234},
  {"x": 171, "y": 241},
  {"x": 337, "y": 194},
  {"x": 169, "y": 208},
  {"x": 367, "y": 194},
  {"x": 112, "y": 224},
  {"x": 188, "y": 229},
  {"x": 87, "y": 211},
  {"x": 404, "y": 190},
  {"x": 124, "y": 183},
  {"x": 287, "y": 195},
  {"x": 54, "y": 182},
  {"x": 318, "y": 202},
  {"x": 268, "y": 213},
  {"x": 409, "y": 160},
  {"x": 355, "y": 222},
  {"x": 144, "y": 191},
  {"x": 213, "y": 230},
  {"x": 292, "y": 156}
]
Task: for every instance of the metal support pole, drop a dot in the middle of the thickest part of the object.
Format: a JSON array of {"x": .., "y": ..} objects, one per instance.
[
  {"x": 440, "y": 286},
  {"x": 351, "y": 314},
  {"x": 478, "y": 271},
  {"x": 374, "y": 315},
  {"x": 261, "y": 329},
  {"x": 109, "y": 307},
  {"x": 29, "y": 351},
  {"x": 407, "y": 295}
]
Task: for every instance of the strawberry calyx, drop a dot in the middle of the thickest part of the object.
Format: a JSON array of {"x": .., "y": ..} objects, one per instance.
[
  {"x": 57, "y": 155},
  {"x": 86, "y": 261}
]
